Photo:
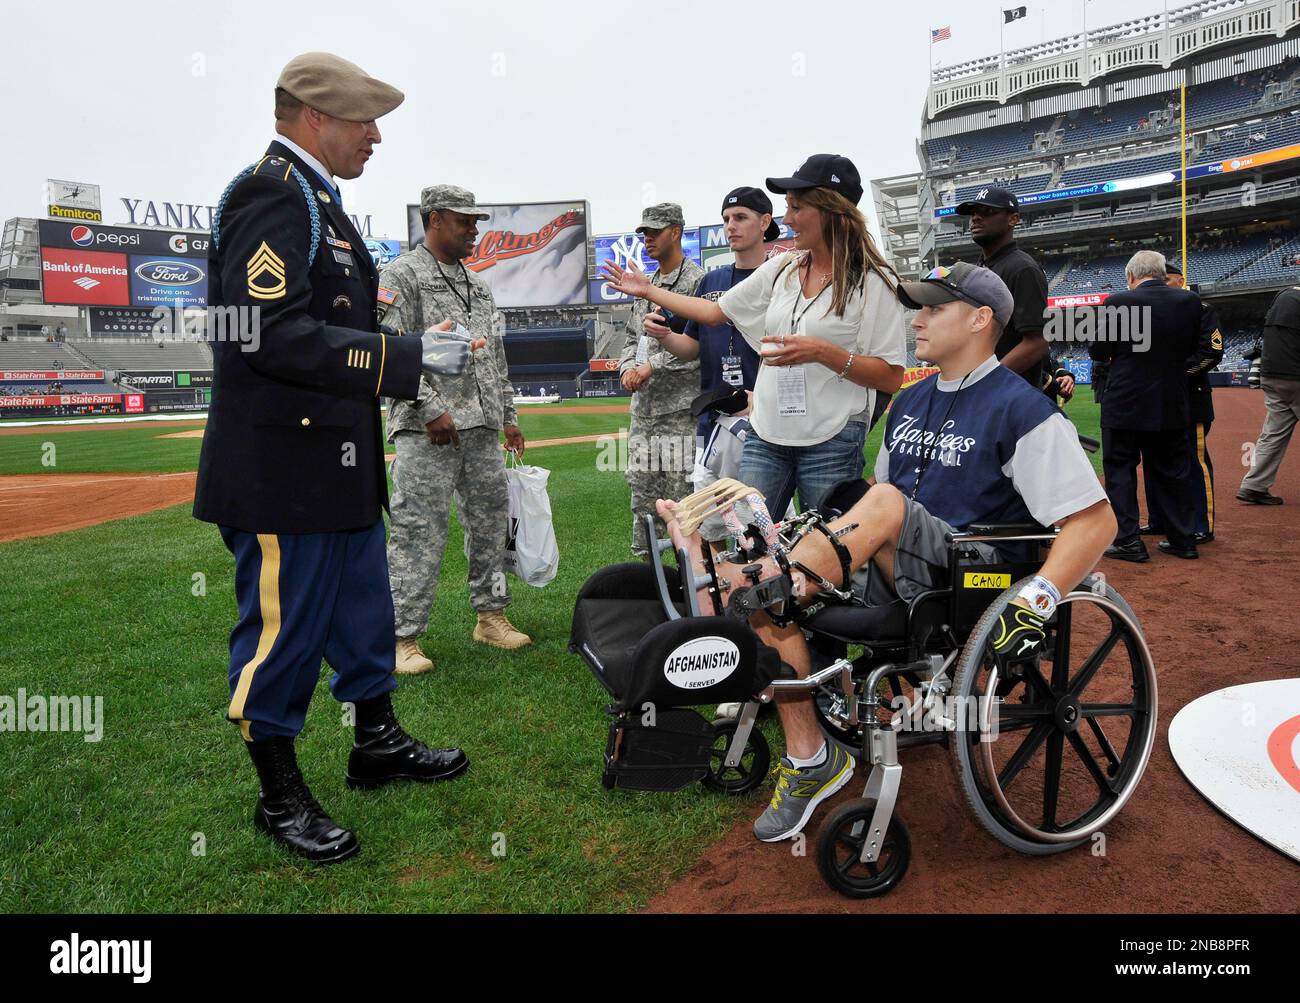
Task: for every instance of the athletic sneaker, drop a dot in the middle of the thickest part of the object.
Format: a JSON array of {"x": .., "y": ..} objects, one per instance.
[{"x": 799, "y": 792}]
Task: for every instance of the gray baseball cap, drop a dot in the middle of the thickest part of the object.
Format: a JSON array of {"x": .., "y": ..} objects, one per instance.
[
  {"x": 657, "y": 217},
  {"x": 961, "y": 281},
  {"x": 452, "y": 198}
]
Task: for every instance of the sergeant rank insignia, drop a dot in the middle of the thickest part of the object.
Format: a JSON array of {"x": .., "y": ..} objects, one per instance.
[{"x": 265, "y": 274}]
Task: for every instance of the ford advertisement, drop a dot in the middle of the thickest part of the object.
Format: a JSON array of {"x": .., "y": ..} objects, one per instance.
[{"x": 176, "y": 283}]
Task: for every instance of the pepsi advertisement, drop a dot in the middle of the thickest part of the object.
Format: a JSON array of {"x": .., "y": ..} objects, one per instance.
[
  {"x": 128, "y": 239},
  {"x": 172, "y": 282}
]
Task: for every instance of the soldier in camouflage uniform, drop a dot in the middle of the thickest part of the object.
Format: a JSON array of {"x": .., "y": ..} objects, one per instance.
[
  {"x": 448, "y": 440},
  {"x": 661, "y": 441}
]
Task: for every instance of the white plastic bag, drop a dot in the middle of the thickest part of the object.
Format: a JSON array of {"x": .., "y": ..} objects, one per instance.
[{"x": 532, "y": 554}]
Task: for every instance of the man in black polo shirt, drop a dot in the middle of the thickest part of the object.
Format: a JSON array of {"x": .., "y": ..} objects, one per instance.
[{"x": 994, "y": 214}]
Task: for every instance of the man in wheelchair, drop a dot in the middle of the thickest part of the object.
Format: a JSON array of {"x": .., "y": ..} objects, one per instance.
[{"x": 973, "y": 444}]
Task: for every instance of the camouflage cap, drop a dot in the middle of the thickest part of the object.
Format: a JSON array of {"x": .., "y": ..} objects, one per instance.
[
  {"x": 340, "y": 89},
  {"x": 452, "y": 198},
  {"x": 657, "y": 217}
]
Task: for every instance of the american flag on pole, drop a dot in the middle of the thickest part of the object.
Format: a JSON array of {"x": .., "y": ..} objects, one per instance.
[{"x": 940, "y": 34}]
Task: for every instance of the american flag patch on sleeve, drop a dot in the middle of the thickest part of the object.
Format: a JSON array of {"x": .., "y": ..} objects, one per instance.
[{"x": 387, "y": 296}]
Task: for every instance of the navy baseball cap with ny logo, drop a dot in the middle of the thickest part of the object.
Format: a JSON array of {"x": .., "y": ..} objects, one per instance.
[
  {"x": 991, "y": 198},
  {"x": 822, "y": 170}
]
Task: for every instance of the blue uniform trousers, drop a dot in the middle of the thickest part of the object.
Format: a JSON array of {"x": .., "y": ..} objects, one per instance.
[{"x": 305, "y": 597}]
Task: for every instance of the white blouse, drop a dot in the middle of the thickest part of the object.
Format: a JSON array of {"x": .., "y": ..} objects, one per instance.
[{"x": 808, "y": 404}]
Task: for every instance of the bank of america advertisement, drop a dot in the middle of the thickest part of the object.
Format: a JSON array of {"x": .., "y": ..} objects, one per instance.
[{"x": 534, "y": 254}]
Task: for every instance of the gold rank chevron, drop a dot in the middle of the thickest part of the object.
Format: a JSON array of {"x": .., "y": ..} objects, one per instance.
[{"x": 265, "y": 262}]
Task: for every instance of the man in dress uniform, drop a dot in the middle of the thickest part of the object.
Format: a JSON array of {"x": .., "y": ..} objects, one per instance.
[
  {"x": 292, "y": 464},
  {"x": 448, "y": 441},
  {"x": 1200, "y": 480},
  {"x": 661, "y": 441}
]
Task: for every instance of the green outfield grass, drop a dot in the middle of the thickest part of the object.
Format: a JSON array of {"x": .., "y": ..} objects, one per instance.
[{"x": 112, "y": 826}]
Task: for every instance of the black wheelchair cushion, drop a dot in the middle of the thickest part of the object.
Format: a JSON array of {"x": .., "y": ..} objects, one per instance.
[
  {"x": 861, "y": 623},
  {"x": 641, "y": 656},
  {"x": 610, "y": 630}
]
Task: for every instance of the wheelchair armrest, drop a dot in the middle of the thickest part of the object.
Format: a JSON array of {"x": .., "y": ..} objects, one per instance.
[{"x": 978, "y": 532}]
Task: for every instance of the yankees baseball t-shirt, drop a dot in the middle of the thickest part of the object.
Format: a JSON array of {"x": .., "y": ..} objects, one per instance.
[
  {"x": 725, "y": 356},
  {"x": 989, "y": 448}
]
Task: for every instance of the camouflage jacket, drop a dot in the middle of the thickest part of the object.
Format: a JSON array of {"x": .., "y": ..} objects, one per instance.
[
  {"x": 673, "y": 383},
  {"x": 421, "y": 296}
]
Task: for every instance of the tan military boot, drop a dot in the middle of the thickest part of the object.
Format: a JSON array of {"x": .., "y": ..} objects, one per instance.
[
  {"x": 410, "y": 659},
  {"x": 493, "y": 628}
]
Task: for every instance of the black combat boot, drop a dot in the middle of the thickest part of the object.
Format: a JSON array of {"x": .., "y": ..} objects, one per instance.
[
  {"x": 383, "y": 752},
  {"x": 287, "y": 812}
]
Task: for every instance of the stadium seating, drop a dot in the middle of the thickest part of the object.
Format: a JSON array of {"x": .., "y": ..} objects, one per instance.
[
  {"x": 1117, "y": 121},
  {"x": 1095, "y": 173},
  {"x": 1021, "y": 186},
  {"x": 37, "y": 355},
  {"x": 118, "y": 354},
  {"x": 1270, "y": 264}
]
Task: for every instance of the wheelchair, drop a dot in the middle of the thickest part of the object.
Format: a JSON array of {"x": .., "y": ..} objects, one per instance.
[{"x": 1047, "y": 750}]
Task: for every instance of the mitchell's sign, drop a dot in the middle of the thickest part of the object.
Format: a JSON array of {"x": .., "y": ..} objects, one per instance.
[{"x": 189, "y": 216}]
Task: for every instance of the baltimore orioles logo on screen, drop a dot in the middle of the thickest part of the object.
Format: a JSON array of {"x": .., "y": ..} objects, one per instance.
[{"x": 502, "y": 245}]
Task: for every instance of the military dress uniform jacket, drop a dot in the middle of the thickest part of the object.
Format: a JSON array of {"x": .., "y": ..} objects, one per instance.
[
  {"x": 1209, "y": 353},
  {"x": 414, "y": 296},
  {"x": 293, "y": 442},
  {"x": 674, "y": 382},
  {"x": 1147, "y": 390}
]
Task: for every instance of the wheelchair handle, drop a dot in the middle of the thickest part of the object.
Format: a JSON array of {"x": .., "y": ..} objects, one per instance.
[{"x": 818, "y": 678}]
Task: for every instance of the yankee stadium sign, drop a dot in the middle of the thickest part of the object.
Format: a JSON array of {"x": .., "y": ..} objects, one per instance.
[{"x": 188, "y": 216}]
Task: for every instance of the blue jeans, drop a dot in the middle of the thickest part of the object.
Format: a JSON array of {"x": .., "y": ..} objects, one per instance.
[{"x": 778, "y": 471}]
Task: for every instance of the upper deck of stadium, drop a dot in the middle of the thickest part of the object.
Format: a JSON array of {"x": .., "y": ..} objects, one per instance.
[{"x": 1114, "y": 86}]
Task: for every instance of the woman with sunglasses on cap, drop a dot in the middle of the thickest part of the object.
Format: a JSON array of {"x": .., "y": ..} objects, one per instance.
[{"x": 829, "y": 328}]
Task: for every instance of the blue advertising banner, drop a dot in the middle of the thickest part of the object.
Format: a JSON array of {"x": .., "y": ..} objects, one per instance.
[
  {"x": 175, "y": 283},
  {"x": 1080, "y": 369},
  {"x": 383, "y": 251},
  {"x": 628, "y": 249}
]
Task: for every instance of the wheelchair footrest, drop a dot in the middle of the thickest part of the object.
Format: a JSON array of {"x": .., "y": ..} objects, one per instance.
[{"x": 670, "y": 756}]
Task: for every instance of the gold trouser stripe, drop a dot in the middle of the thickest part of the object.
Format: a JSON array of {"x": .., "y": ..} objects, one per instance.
[
  {"x": 268, "y": 586},
  {"x": 1205, "y": 472},
  {"x": 383, "y": 355}
]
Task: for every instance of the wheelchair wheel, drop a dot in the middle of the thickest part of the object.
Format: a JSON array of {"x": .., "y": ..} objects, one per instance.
[
  {"x": 754, "y": 761},
  {"x": 1058, "y": 749},
  {"x": 839, "y": 852}
]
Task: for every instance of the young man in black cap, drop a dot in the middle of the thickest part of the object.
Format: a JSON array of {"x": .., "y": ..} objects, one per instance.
[{"x": 994, "y": 214}]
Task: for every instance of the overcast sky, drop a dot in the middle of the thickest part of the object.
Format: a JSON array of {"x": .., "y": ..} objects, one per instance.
[{"x": 622, "y": 104}]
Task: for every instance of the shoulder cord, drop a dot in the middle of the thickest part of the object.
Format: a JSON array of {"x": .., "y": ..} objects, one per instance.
[{"x": 313, "y": 211}]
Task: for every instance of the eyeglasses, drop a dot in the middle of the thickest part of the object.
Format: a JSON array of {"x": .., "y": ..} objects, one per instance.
[{"x": 939, "y": 276}]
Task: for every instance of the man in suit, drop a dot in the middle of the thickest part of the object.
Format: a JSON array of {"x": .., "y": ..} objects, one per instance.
[
  {"x": 1146, "y": 335},
  {"x": 1200, "y": 480},
  {"x": 292, "y": 467}
]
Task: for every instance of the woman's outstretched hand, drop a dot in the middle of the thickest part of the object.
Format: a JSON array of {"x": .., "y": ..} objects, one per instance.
[{"x": 628, "y": 281}]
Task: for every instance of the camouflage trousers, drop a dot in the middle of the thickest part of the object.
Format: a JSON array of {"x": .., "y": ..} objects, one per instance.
[
  {"x": 660, "y": 458},
  {"x": 425, "y": 477}
]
